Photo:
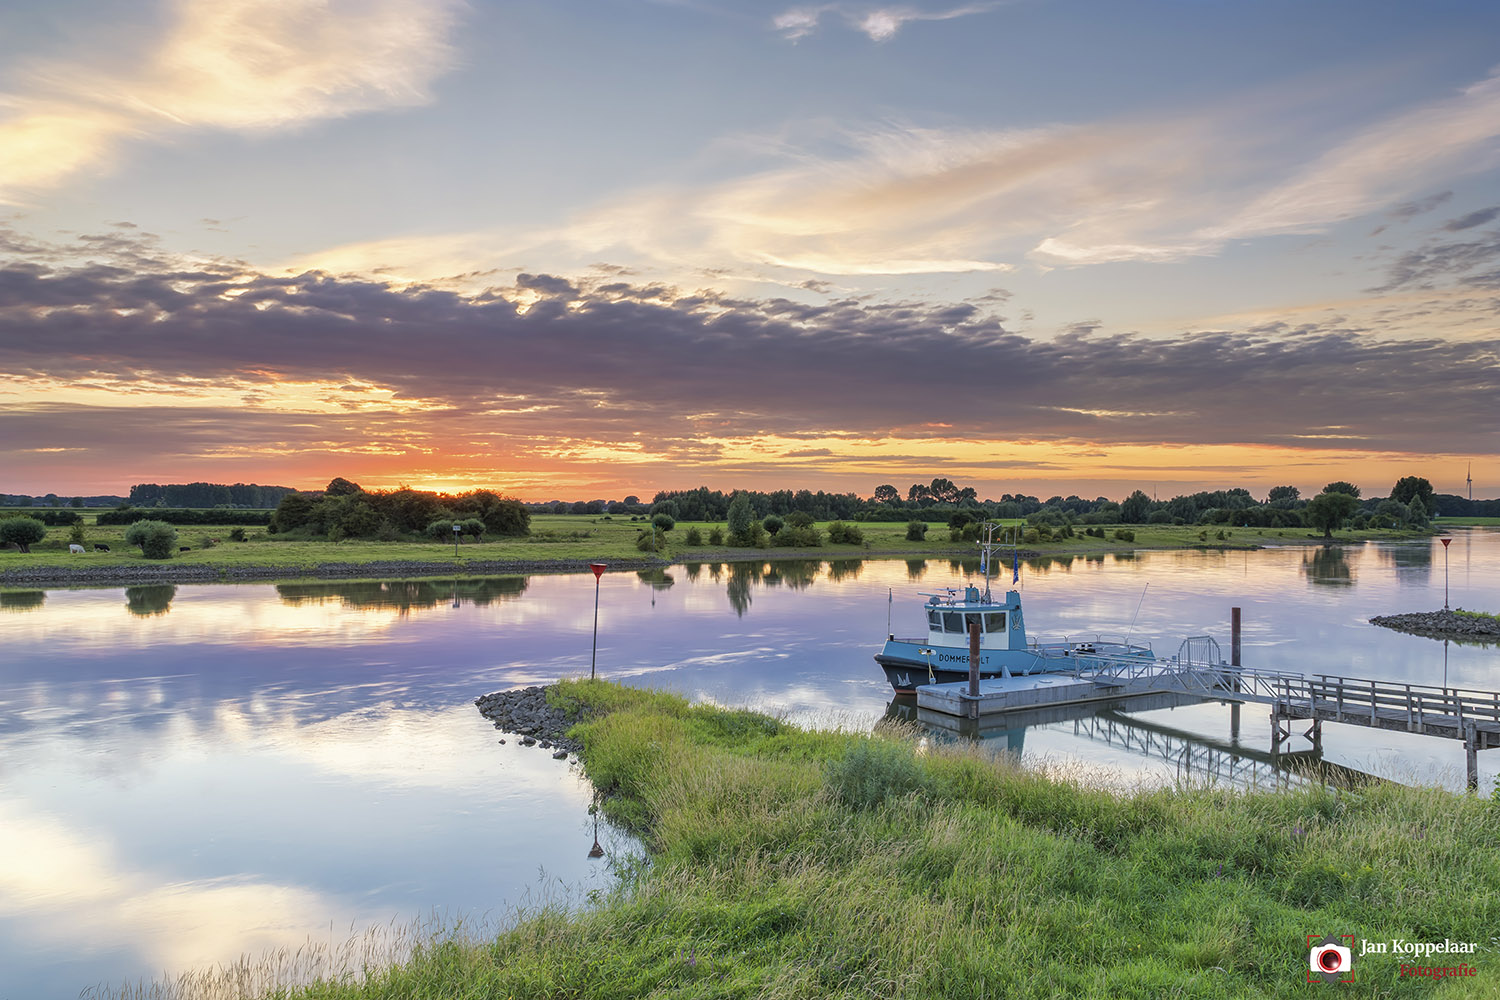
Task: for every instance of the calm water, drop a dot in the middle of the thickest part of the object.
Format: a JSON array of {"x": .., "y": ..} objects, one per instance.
[{"x": 191, "y": 773}]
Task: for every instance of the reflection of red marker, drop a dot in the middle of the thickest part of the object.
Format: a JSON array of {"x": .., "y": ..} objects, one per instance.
[{"x": 598, "y": 569}]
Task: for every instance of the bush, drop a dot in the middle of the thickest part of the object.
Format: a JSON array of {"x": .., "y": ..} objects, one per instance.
[
  {"x": 1124, "y": 534},
  {"x": 840, "y": 533},
  {"x": 441, "y": 529},
  {"x": 75, "y": 535},
  {"x": 22, "y": 532},
  {"x": 651, "y": 541},
  {"x": 792, "y": 536},
  {"x": 473, "y": 527},
  {"x": 716, "y": 536},
  {"x": 664, "y": 521},
  {"x": 773, "y": 523},
  {"x": 157, "y": 539},
  {"x": 236, "y": 534},
  {"x": 872, "y": 771},
  {"x": 693, "y": 537},
  {"x": 799, "y": 519},
  {"x": 916, "y": 531}
]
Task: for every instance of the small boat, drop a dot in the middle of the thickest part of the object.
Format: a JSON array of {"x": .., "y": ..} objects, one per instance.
[{"x": 942, "y": 655}]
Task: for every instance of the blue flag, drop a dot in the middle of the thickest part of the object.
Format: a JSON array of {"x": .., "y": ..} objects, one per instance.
[
  {"x": 1015, "y": 567},
  {"x": 984, "y": 563}
]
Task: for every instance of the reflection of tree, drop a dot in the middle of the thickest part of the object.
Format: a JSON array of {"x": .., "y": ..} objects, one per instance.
[
  {"x": 741, "y": 576},
  {"x": 916, "y": 569},
  {"x": 794, "y": 574},
  {"x": 406, "y": 595},
  {"x": 656, "y": 579},
  {"x": 22, "y": 600},
  {"x": 693, "y": 570},
  {"x": 1411, "y": 562},
  {"x": 155, "y": 599},
  {"x": 845, "y": 569},
  {"x": 1327, "y": 566}
]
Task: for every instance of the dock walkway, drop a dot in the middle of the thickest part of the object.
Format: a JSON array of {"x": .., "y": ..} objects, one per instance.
[{"x": 1449, "y": 713}]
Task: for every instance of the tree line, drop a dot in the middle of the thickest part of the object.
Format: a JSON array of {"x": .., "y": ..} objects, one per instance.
[{"x": 346, "y": 510}]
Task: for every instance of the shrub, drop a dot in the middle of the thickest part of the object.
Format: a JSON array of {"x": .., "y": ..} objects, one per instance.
[
  {"x": 75, "y": 534},
  {"x": 157, "y": 539},
  {"x": 664, "y": 521},
  {"x": 799, "y": 519},
  {"x": 1124, "y": 534},
  {"x": 651, "y": 541},
  {"x": 872, "y": 771},
  {"x": 716, "y": 536},
  {"x": 473, "y": 527},
  {"x": 441, "y": 529},
  {"x": 773, "y": 523},
  {"x": 794, "y": 536},
  {"x": 236, "y": 534},
  {"x": 840, "y": 533},
  {"x": 916, "y": 531},
  {"x": 22, "y": 532},
  {"x": 693, "y": 537}
]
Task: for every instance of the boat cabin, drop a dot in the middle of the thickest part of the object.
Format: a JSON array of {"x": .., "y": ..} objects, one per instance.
[{"x": 949, "y": 617}]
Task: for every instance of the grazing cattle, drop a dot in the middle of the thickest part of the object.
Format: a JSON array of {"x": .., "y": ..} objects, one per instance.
[
  {"x": 100, "y": 547},
  {"x": 77, "y": 550},
  {"x": 185, "y": 548}
]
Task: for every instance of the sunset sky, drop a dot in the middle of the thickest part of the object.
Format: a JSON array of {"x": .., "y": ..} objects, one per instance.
[{"x": 585, "y": 248}]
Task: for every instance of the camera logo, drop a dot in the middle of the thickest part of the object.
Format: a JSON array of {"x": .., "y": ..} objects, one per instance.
[{"x": 1329, "y": 959}]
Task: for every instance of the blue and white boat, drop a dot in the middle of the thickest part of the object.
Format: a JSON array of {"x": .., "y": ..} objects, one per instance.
[{"x": 942, "y": 655}]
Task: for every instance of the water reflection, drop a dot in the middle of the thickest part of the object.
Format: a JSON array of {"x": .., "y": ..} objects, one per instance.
[
  {"x": 405, "y": 595},
  {"x": 1412, "y": 561},
  {"x": 1327, "y": 566},
  {"x": 22, "y": 600},
  {"x": 149, "y": 601}
]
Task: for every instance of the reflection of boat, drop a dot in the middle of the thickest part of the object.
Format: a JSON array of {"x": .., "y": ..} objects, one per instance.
[{"x": 942, "y": 656}]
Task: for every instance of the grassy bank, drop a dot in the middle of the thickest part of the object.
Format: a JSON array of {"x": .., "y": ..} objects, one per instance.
[
  {"x": 787, "y": 863},
  {"x": 566, "y": 541}
]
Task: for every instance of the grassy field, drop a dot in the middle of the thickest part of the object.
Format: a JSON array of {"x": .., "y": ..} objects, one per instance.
[
  {"x": 567, "y": 538},
  {"x": 1477, "y": 522},
  {"x": 790, "y": 863}
]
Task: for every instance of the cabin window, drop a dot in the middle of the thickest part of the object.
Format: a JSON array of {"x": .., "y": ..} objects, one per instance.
[
  {"x": 935, "y": 620},
  {"x": 994, "y": 621},
  {"x": 974, "y": 620},
  {"x": 953, "y": 622}
]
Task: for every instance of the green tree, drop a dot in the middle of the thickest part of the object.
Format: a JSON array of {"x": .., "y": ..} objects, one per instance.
[
  {"x": 664, "y": 521},
  {"x": 76, "y": 502},
  {"x": 744, "y": 529},
  {"x": 1416, "y": 512},
  {"x": 1409, "y": 487},
  {"x": 1135, "y": 508},
  {"x": 1349, "y": 489},
  {"x": 916, "y": 531},
  {"x": 887, "y": 494},
  {"x": 341, "y": 487},
  {"x": 22, "y": 532},
  {"x": 1280, "y": 494},
  {"x": 157, "y": 539},
  {"x": 772, "y": 523},
  {"x": 1329, "y": 511}
]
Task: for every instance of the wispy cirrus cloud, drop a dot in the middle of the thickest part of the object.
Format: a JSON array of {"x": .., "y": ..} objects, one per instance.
[
  {"x": 880, "y": 22},
  {"x": 238, "y": 65}
]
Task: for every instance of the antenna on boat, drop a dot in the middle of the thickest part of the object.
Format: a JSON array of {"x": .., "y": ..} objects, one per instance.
[
  {"x": 1137, "y": 612},
  {"x": 890, "y": 598}
]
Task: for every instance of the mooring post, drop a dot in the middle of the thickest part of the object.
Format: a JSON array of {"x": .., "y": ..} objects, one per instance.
[
  {"x": 1234, "y": 661},
  {"x": 974, "y": 659},
  {"x": 1471, "y": 755}
]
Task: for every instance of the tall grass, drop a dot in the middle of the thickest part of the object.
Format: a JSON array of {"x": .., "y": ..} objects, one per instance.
[{"x": 792, "y": 863}]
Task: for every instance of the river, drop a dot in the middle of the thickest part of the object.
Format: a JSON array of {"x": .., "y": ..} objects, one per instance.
[{"x": 193, "y": 773}]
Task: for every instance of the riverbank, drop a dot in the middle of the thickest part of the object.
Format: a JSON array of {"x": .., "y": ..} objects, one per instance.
[
  {"x": 553, "y": 550},
  {"x": 795, "y": 863}
]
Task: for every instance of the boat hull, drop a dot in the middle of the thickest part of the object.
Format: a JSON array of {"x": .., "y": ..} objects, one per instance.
[{"x": 909, "y": 664}]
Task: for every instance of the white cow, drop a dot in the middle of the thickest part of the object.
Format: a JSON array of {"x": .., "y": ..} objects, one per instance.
[{"x": 77, "y": 550}]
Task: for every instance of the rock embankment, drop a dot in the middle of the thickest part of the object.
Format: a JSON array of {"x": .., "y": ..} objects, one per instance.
[
  {"x": 1442, "y": 624},
  {"x": 526, "y": 713}
]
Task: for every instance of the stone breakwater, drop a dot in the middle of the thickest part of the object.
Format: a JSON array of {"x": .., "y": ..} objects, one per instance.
[
  {"x": 525, "y": 713},
  {"x": 130, "y": 574},
  {"x": 1441, "y": 624}
]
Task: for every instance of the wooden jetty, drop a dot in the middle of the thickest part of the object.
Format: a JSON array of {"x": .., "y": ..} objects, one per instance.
[{"x": 1199, "y": 670}]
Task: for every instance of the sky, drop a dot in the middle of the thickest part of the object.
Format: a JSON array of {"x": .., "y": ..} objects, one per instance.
[{"x": 581, "y": 249}]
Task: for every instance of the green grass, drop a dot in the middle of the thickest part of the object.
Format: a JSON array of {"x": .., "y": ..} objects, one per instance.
[
  {"x": 1472, "y": 521},
  {"x": 567, "y": 538},
  {"x": 790, "y": 863}
]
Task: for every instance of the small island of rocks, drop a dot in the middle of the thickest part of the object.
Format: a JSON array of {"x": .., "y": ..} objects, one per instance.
[
  {"x": 1444, "y": 624},
  {"x": 525, "y": 712}
]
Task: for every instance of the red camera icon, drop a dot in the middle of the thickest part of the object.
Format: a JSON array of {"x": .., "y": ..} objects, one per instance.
[{"x": 1329, "y": 958}]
